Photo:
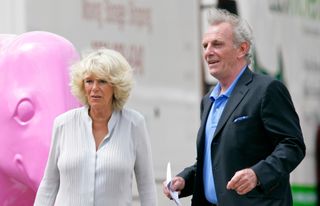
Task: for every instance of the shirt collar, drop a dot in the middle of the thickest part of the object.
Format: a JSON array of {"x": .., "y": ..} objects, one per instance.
[
  {"x": 216, "y": 91},
  {"x": 112, "y": 122}
]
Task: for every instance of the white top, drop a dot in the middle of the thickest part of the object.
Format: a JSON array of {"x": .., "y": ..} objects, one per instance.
[{"x": 78, "y": 175}]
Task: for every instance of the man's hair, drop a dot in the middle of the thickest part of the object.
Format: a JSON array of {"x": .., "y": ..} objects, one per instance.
[{"x": 241, "y": 29}]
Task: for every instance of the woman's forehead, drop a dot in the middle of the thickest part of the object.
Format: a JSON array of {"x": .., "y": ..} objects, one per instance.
[{"x": 92, "y": 75}]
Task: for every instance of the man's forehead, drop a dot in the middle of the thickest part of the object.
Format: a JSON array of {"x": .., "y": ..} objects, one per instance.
[
  {"x": 221, "y": 27},
  {"x": 218, "y": 30}
]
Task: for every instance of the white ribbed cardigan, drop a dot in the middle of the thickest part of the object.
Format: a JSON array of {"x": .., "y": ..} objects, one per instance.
[{"x": 78, "y": 175}]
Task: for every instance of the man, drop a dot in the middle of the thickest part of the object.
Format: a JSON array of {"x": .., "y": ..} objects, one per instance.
[{"x": 250, "y": 137}]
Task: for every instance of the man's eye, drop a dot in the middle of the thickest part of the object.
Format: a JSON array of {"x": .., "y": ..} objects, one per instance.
[{"x": 217, "y": 44}]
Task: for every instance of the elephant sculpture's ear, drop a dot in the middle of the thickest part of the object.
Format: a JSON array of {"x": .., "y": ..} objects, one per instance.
[{"x": 34, "y": 89}]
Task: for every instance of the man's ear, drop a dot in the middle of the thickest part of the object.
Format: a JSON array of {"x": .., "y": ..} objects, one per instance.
[{"x": 243, "y": 49}]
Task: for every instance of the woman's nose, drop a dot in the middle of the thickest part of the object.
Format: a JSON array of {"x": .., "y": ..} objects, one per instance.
[{"x": 95, "y": 85}]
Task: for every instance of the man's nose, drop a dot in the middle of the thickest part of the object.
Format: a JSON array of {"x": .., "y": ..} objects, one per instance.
[{"x": 208, "y": 50}]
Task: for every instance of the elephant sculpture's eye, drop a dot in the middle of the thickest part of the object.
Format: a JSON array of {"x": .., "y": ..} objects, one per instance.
[{"x": 24, "y": 111}]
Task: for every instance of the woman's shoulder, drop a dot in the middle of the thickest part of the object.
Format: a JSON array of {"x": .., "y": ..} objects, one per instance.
[
  {"x": 132, "y": 115},
  {"x": 70, "y": 115}
]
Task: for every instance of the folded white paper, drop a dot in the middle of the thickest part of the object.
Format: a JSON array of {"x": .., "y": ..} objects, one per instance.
[{"x": 174, "y": 194}]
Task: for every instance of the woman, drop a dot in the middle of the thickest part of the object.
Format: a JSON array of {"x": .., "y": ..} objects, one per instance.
[{"x": 96, "y": 148}]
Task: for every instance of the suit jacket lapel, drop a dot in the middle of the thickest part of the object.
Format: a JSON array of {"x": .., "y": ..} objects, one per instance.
[
  {"x": 236, "y": 97},
  {"x": 201, "y": 134}
]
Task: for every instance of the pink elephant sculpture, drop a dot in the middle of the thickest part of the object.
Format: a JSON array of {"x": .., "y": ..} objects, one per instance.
[
  {"x": 5, "y": 39},
  {"x": 34, "y": 89}
]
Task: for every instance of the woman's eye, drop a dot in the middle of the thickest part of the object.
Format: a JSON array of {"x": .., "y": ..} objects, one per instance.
[
  {"x": 88, "y": 81},
  {"x": 101, "y": 81}
]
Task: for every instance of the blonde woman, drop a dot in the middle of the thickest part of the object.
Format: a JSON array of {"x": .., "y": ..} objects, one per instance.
[{"x": 97, "y": 148}]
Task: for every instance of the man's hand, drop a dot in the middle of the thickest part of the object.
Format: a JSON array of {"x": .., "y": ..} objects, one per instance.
[
  {"x": 177, "y": 184},
  {"x": 243, "y": 181}
]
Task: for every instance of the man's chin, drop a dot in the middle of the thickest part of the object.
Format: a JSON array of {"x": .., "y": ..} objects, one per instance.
[{"x": 213, "y": 71}]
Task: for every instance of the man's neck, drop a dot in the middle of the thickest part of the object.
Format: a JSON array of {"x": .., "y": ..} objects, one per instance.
[{"x": 226, "y": 82}]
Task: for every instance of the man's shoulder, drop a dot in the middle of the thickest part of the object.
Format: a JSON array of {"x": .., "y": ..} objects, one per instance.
[{"x": 262, "y": 79}]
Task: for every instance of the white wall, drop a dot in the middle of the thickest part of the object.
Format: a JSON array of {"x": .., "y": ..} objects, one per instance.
[
  {"x": 292, "y": 27},
  {"x": 12, "y": 19},
  {"x": 161, "y": 41}
]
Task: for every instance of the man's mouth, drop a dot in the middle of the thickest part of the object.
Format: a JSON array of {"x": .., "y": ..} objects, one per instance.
[{"x": 212, "y": 61}]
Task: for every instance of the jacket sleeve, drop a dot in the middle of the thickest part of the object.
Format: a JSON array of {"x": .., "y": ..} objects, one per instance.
[
  {"x": 188, "y": 174},
  {"x": 282, "y": 126}
]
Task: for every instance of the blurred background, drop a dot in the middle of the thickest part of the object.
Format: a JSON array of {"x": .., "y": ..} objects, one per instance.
[{"x": 162, "y": 42}]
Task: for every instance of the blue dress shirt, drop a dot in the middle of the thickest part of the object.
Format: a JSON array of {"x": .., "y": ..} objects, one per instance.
[{"x": 219, "y": 103}]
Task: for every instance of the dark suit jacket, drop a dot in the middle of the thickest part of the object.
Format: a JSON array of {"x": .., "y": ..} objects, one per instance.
[{"x": 268, "y": 139}]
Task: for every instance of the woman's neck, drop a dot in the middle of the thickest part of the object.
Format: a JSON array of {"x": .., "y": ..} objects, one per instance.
[{"x": 100, "y": 115}]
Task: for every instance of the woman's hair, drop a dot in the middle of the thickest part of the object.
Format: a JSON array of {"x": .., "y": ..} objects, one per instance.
[
  {"x": 107, "y": 65},
  {"x": 241, "y": 29}
]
